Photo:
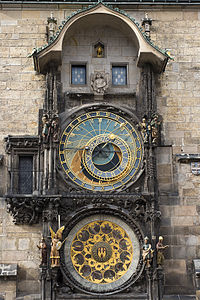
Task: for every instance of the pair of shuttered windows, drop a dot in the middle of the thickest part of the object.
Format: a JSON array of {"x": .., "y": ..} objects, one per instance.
[{"x": 78, "y": 75}]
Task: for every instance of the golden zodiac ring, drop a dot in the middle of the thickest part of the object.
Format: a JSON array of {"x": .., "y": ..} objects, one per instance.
[{"x": 101, "y": 252}]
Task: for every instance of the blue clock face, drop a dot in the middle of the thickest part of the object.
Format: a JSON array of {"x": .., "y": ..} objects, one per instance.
[{"x": 101, "y": 151}]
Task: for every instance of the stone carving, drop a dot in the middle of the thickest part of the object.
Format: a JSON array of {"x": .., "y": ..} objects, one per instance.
[
  {"x": 160, "y": 248},
  {"x": 55, "y": 246},
  {"x": 150, "y": 127},
  {"x": 55, "y": 129},
  {"x": 195, "y": 168},
  {"x": 99, "y": 82},
  {"x": 52, "y": 22},
  {"x": 147, "y": 252},
  {"x": 147, "y": 22},
  {"x": 28, "y": 210},
  {"x": 20, "y": 142},
  {"x": 43, "y": 251},
  {"x": 25, "y": 210},
  {"x": 155, "y": 128},
  {"x": 45, "y": 128},
  {"x": 145, "y": 129},
  {"x": 50, "y": 127}
]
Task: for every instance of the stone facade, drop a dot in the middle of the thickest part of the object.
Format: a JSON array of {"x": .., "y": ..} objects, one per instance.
[{"x": 178, "y": 98}]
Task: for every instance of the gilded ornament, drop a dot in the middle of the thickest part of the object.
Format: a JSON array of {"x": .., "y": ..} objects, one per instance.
[
  {"x": 55, "y": 246},
  {"x": 101, "y": 252}
]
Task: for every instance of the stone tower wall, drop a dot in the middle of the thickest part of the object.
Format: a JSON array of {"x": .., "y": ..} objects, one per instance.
[{"x": 178, "y": 98}]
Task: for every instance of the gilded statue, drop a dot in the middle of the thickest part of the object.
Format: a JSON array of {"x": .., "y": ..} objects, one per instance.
[
  {"x": 100, "y": 52},
  {"x": 147, "y": 252},
  {"x": 160, "y": 249},
  {"x": 55, "y": 246}
]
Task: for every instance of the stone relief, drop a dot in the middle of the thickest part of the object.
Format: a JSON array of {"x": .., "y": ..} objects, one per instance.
[{"x": 99, "y": 82}]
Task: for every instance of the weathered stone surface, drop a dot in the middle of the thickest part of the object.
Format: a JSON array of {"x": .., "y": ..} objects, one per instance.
[
  {"x": 22, "y": 94},
  {"x": 8, "y": 270},
  {"x": 24, "y": 244}
]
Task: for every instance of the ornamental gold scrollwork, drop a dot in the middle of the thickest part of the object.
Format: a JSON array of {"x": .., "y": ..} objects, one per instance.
[{"x": 101, "y": 252}]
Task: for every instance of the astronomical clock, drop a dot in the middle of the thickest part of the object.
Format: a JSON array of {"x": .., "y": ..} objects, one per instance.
[
  {"x": 101, "y": 155},
  {"x": 92, "y": 168},
  {"x": 101, "y": 151}
]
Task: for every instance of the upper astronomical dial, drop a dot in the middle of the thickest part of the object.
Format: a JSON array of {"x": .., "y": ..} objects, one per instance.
[{"x": 100, "y": 151}]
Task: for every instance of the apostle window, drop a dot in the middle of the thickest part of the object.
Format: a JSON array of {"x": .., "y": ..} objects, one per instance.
[
  {"x": 119, "y": 75},
  {"x": 78, "y": 74}
]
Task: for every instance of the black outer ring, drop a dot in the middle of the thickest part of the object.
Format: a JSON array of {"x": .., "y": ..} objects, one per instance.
[{"x": 107, "y": 210}]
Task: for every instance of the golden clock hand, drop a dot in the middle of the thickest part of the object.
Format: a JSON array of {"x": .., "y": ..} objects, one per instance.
[
  {"x": 112, "y": 151},
  {"x": 120, "y": 126},
  {"x": 69, "y": 148},
  {"x": 112, "y": 138}
]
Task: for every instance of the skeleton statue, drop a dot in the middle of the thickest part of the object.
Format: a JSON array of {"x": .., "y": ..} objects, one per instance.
[
  {"x": 145, "y": 129},
  {"x": 155, "y": 128}
]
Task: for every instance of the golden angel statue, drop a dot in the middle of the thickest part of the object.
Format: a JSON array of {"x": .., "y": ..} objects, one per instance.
[{"x": 55, "y": 246}]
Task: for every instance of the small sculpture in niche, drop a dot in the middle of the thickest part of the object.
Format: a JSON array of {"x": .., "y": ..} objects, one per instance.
[
  {"x": 99, "y": 82},
  {"x": 150, "y": 127},
  {"x": 155, "y": 128},
  {"x": 147, "y": 252},
  {"x": 50, "y": 127},
  {"x": 99, "y": 50},
  {"x": 55, "y": 129},
  {"x": 55, "y": 246},
  {"x": 45, "y": 128},
  {"x": 43, "y": 251},
  {"x": 160, "y": 248},
  {"x": 145, "y": 129}
]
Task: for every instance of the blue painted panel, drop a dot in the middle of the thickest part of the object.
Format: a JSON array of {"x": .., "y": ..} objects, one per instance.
[
  {"x": 119, "y": 75},
  {"x": 78, "y": 74}
]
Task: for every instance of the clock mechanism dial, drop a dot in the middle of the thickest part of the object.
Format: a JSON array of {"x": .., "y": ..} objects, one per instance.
[{"x": 101, "y": 151}]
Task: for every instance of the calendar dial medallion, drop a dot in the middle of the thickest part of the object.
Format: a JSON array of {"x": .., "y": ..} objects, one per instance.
[
  {"x": 101, "y": 252},
  {"x": 101, "y": 151}
]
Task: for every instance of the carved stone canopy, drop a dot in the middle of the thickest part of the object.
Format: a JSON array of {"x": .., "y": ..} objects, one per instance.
[{"x": 147, "y": 52}]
